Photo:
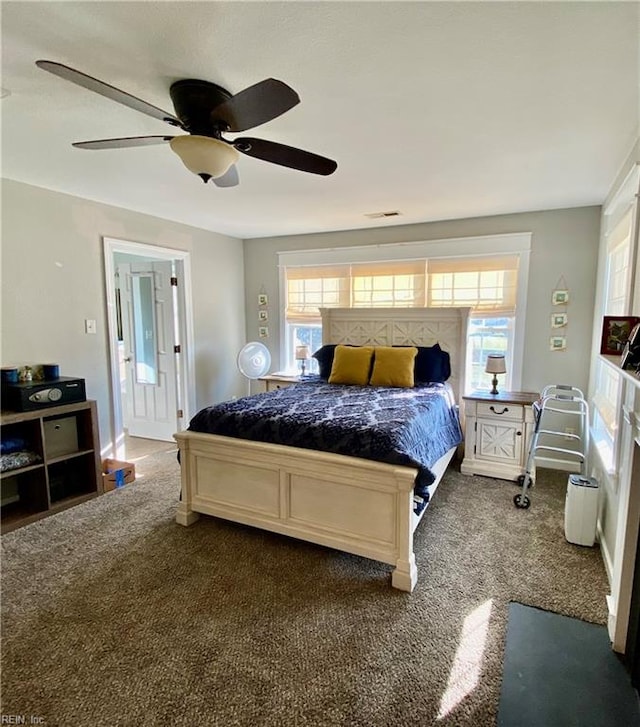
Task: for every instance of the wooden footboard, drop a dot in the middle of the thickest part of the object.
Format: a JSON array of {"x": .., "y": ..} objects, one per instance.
[{"x": 350, "y": 504}]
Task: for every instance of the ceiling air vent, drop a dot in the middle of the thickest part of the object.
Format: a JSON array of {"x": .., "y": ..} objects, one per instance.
[{"x": 377, "y": 215}]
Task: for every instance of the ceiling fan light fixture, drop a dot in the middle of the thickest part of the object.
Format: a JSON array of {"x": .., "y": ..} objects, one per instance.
[
  {"x": 203, "y": 155},
  {"x": 204, "y": 110}
]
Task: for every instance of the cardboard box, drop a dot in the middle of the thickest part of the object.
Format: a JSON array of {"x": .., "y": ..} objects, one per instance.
[{"x": 116, "y": 473}]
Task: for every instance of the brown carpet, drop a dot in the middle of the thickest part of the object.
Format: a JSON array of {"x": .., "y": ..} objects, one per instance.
[{"x": 112, "y": 614}]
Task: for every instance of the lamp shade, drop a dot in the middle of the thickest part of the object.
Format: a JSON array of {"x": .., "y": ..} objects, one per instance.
[
  {"x": 302, "y": 353},
  {"x": 204, "y": 156},
  {"x": 495, "y": 364}
]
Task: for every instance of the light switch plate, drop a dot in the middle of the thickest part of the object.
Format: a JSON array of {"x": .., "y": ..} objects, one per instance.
[{"x": 90, "y": 325}]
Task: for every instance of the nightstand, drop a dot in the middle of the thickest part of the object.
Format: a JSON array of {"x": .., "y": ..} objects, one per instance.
[
  {"x": 498, "y": 431},
  {"x": 279, "y": 380}
]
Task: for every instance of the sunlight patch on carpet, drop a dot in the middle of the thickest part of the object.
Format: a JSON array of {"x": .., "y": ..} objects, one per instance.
[{"x": 467, "y": 663}]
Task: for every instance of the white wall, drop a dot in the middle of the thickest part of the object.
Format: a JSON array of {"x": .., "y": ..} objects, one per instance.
[
  {"x": 564, "y": 243},
  {"x": 53, "y": 278}
]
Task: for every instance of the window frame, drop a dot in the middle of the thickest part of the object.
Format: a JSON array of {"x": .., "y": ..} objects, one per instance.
[
  {"x": 619, "y": 239},
  {"x": 620, "y": 232},
  {"x": 487, "y": 245}
]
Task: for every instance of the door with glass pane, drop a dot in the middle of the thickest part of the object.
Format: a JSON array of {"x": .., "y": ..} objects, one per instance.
[{"x": 147, "y": 304}]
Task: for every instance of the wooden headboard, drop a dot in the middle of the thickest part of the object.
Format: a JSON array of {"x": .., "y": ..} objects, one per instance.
[{"x": 402, "y": 327}]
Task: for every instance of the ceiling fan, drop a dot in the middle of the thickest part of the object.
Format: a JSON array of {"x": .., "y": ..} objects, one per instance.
[{"x": 206, "y": 111}]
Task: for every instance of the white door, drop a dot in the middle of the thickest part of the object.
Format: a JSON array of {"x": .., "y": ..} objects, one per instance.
[{"x": 148, "y": 331}]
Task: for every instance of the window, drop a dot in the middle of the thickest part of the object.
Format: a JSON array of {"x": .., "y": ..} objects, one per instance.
[
  {"x": 388, "y": 285},
  {"x": 307, "y": 290},
  {"x": 616, "y": 301},
  {"x": 301, "y": 334},
  {"x": 489, "y": 285},
  {"x": 311, "y": 288},
  {"x": 605, "y": 418},
  {"x": 486, "y": 283},
  {"x": 618, "y": 275},
  {"x": 487, "y": 335}
]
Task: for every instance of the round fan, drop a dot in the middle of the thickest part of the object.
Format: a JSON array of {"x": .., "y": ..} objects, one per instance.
[
  {"x": 205, "y": 111},
  {"x": 254, "y": 360}
]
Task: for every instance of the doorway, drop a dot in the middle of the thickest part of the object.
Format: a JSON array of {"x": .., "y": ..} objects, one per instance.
[{"x": 150, "y": 340}]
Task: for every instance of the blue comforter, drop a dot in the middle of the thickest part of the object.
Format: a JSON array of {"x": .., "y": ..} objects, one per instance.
[{"x": 412, "y": 427}]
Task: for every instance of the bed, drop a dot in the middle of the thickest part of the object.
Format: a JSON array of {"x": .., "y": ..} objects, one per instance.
[{"x": 356, "y": 505}]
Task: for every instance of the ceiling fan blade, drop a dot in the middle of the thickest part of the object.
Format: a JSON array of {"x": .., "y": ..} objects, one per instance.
[
  {"x": 111, "y": 92},
  {"x": 228, "y": 179},
  {"x": 286, "y": 156},
  {"x": 255, "y": 105},
  {"x": 123, "y": 143}
]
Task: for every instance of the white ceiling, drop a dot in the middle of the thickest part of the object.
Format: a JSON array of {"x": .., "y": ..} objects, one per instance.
[{"x": 439, "y": 110}]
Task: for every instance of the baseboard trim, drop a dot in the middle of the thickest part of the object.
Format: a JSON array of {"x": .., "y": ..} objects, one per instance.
[
  {"x": 606, "y": 555},
  {"x": 611, "y": 619}
]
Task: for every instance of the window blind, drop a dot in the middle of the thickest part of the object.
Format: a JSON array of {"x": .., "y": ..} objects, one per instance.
[
  {"x": 488, "y": 284},
  {"x": 388, "y": 285},
  {"x": 311, "y": 288}
]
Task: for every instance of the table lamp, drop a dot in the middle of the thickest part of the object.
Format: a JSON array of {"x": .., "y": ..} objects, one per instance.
[
  {"x": 302, "y": 354},
  {"x": 495, "y": 365}
]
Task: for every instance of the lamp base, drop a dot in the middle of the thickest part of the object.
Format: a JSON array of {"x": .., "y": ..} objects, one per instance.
[{"x": 494, "y": 383}]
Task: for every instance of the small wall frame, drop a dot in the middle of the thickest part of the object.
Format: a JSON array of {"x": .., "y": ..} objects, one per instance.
[
  {"x": 557, "y": 343},
  {"x": 559, "y": 320},
  {"x": 560, "y": 297}
]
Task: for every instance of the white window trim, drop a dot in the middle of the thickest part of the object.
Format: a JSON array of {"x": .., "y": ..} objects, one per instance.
[
  {"x": 614, "y": 210},
  {"x": 509, "y": 243}
]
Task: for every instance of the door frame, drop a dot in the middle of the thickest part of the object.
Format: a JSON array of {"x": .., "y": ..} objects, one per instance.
[{"x": 186, "y": 391}]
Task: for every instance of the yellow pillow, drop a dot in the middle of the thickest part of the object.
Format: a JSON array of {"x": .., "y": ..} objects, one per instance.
[
  {"x": 351, "y": 365},
  {"x": 393, "y": 366}
]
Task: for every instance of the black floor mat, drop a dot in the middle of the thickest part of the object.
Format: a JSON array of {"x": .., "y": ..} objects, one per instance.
[{"x": 561, "y": 672}]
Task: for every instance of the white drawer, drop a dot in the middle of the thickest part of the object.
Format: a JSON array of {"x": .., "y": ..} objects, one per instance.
[
  {"x": 272, "y": 385},
  {"x": 513, "y": 412}
]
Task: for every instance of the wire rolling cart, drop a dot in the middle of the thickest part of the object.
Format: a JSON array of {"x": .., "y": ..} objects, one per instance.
[{"x": 557, "y": 401}]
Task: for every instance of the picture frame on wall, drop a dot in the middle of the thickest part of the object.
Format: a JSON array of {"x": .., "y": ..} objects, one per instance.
[
  {"x": 557, "y": 343},
  {"x": 263, "y": 315},
  {"x": 560, "y": 297},
  {"x": 263, "y": 331},
  {"x": 263, "y": 299},
  {"x": 615, "y": 333},
  {"x": 559, "y": 320}
]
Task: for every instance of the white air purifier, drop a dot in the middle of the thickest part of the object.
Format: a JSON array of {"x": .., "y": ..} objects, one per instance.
[{"x": 581, "y": 510}]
